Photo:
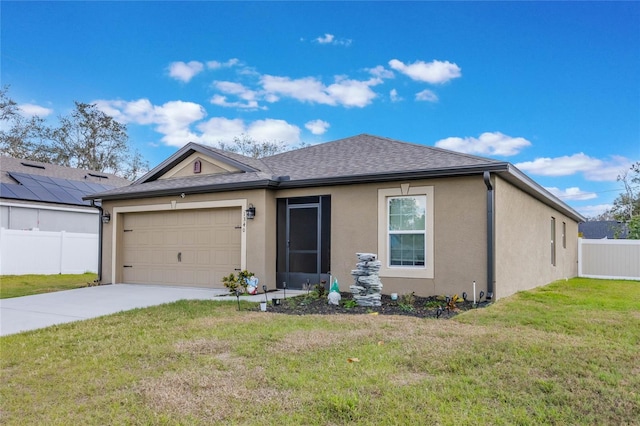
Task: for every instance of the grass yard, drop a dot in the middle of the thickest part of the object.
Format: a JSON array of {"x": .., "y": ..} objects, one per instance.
[
  {"x": 25, "y": 285},
  {"x": 567, "y": 353}
]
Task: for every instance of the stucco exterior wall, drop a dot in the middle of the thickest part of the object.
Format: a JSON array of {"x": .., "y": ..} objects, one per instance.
[
  {"x": 459, "y": 228},
  {"x": 523, "y": 242},
  {"x": 523, "y": 257},
  {"x": 260, "y": 258}
]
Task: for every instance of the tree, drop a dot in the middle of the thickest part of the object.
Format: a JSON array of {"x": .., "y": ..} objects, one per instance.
[
  {"x": 245, "y": 145},
  {"x": 21, "y": 137},
  {"x": 627, "y": 205},
  {"x": 86, "y": 139},
  {"x": 90, "y": 139}
]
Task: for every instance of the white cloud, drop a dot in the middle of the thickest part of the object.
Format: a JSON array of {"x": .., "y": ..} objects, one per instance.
[
  {"x": 175, "y": 120},
  {"x": 426, "y": 95},
  {"x": 393, "y": 95},
  {"x": 31, "y": 110},
  {"x": 593, "y": 211},
  {"x": 573, "y": 193},
  {"x": 593, "y": 169},
  {"x": 331, "y": 39},
  {"x": 185, "y": 71},
  {"x": 434, "y": 72},
  {"x": 326, "y": 39},
  {"x": 172, "y": 119},
  {"x": 221, "y": 129},
  {"x": 214, "y": 65},
  {"x": 274, "y": 130},
  {"x": 381, "y": 72},
  {"x": 489, "y": 143},
  {"x": 250, "y": 97},
  {"x": 345, "y": 92},
  {"x": 317, "y": 127}
]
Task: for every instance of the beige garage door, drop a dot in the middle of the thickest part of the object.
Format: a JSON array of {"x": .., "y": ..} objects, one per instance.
[{"x": 185, "y": 247}]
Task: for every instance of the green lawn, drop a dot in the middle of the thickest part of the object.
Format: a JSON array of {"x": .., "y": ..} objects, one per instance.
[
  {"x": 25, "y": 285},
  {"x": 567, "y": 353}
]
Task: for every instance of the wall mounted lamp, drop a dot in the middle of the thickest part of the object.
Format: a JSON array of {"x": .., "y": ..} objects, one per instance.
[
  {"x": 106, "y": 217},
  {"x": 250, "y": 212}
]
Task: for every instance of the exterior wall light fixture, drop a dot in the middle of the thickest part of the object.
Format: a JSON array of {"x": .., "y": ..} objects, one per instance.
[
  {"x": 250, "y": 212},
  {"x": 106, "y": 217}
]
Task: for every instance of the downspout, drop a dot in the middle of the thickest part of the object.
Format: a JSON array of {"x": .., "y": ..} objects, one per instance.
[
  {"x": 491, "y": 246},
  {"x": 93, "y": 204}
]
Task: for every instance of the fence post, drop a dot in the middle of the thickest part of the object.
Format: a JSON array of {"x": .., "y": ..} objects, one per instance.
[
  {"x": 579, "y": 256},
  {"x": 62, "y": 238}
]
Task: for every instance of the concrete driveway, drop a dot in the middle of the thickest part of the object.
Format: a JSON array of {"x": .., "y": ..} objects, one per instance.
[{"x": 43, "y": 310}]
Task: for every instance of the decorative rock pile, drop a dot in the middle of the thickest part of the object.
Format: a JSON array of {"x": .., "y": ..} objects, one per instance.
[{"x": 367, "y": 289}]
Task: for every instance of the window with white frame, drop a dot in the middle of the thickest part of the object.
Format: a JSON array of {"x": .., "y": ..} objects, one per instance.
[{"x": 407, "y": 230}]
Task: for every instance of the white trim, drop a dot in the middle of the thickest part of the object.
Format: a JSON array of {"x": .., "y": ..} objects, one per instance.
[
  {"x": 399, "y": 271},
  {"x": 89, "y": 209},
  {"x": 174, "y": 205}
]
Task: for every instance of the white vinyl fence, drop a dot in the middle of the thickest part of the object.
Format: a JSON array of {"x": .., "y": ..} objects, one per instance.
[
  {"x": 609, "y": 259},
  {"x": 40, "y": 252}
]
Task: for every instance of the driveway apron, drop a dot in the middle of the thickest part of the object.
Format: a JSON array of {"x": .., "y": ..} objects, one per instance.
[{"x": 43, "y": 310}]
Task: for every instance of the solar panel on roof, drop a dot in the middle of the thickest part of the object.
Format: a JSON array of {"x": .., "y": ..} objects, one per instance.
[
  {"x": 6, "y": 192},
  {"x": 50, "y": 189}
]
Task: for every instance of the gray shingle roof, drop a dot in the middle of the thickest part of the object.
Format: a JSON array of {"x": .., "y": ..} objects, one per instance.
[
  {"x": 10, "y": 164},
  {"x": 358, "y": 159},
  {"x": 35, "y": 181},
  {"x": 366, "y": 155}
]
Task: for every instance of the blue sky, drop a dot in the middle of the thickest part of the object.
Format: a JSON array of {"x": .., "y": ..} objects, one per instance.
[{"x": 552, "y": 87}]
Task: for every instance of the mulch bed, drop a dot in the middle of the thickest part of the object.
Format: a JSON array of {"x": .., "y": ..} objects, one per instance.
[{"x": 422, "y": 307}]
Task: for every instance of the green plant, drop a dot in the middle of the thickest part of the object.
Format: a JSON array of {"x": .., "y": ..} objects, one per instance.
[
  {"x": 320, "y": 290},
  {"x": 348, "y": 304},
  {"x": 406, "y": 302},
  {"x": 432, "y": 304},
  {"x": 230, "y": 282},
  {"x": 234, "y": 283}
]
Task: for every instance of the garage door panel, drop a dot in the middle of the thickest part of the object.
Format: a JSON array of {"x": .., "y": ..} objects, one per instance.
[{"x": 209, "y": 241}]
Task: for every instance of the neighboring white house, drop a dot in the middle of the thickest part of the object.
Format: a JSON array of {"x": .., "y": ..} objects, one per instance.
[{"x": 45, "y": 225}]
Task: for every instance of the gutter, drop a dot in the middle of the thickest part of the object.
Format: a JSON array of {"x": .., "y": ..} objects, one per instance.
[
  {"x": 284, "y": 182},
  {"x": 100, "y": 210},
  {"x": 491, "y": 246}
]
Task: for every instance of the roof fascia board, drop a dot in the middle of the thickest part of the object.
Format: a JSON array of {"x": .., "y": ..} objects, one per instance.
[
  {"x": 524, "y": 182},
  {"x": 405, "y": 175},
  {"x": 183, "y": 153},
  {"x": 205, "y": 189}
]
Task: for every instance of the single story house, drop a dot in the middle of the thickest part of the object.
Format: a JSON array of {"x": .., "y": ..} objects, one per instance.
[
  {"x": 45, "y": 225},
  {"x": 438, "y": 220}
]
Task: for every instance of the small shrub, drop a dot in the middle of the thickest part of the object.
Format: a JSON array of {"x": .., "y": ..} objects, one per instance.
[
  {"x": 234, "y": 283},
  {"x": 320, "y": 290},
  {"x": 348, "y": 304},
  {"x": 406, "y": 302}
]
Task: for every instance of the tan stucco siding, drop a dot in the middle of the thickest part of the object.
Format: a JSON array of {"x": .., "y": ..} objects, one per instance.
[
  {"x": 459, "y": 228},
  {"x": 259, "y": 258},
  {"x": 459, "y": 234},
  {"x": 523, "y": 242}
]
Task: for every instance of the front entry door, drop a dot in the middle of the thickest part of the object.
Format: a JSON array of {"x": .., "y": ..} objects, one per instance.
[{"x": 303, "y": 244}]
